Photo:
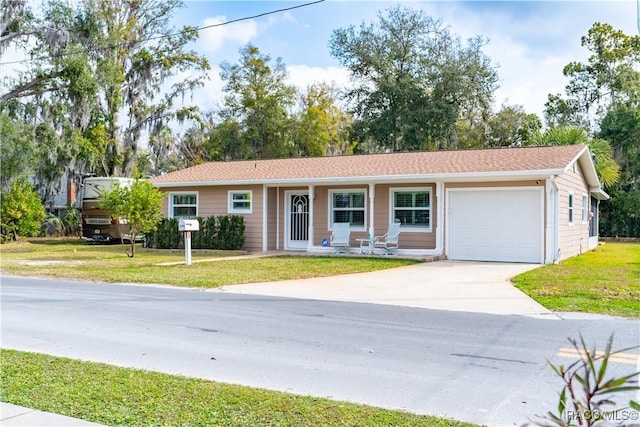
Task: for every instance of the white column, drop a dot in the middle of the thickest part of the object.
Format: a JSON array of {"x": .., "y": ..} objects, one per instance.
[
  {"x": 372, "y": 199},
  {"x": 312, "y": 196},
  {"x": 440, "y": 219},
  {"x": 277, "y": 218},
  {"x": 265, "y": 218}
]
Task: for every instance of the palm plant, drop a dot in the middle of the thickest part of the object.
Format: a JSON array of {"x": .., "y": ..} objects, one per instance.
[
  {"x": 606, "y": 167},
  {"x": 52, "y": 225}
]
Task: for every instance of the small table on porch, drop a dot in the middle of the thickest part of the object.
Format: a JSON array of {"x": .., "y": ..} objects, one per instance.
[{"x": 366, "y": 245}]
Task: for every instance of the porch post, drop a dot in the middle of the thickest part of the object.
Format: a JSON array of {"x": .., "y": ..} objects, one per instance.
[
  {"x": 372, "y": 199},
  {"x": 277, "y": 218},
  {"x": 265, "y": 219},
  {"x": 440, "y": 219},
  {"x": 310, "y": 233}
]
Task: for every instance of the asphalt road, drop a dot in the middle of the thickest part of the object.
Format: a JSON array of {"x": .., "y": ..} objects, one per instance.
[{"x": 480, "y": 368}]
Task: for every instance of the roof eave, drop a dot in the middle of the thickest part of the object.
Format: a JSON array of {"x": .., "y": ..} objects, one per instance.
[
  {"x": 453, "y": 177},
  {"x": 599, "y": 193}
]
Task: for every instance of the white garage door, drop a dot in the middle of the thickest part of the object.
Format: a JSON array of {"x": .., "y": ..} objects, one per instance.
[{"x": 495, "y": 225}]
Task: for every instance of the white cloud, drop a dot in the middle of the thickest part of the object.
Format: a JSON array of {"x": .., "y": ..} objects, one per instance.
[
  {"x": 302, "y": 76},
  {"x": 532, "y": 46},
  {"x": 213, "y": 39}
]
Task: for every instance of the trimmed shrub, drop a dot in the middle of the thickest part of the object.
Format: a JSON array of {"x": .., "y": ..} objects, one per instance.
[{"x": 223, "y": 232}]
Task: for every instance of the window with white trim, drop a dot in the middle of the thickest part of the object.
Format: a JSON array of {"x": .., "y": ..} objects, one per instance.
[
  {"x": 183, "y": 205},
  {"x": 240, "y": 202},
  {"x": 585, "y": 208},
  {"x": 348, "y": 206},
  {"x": 411, "y": 207},
  {"x": 571, "y": 208}
]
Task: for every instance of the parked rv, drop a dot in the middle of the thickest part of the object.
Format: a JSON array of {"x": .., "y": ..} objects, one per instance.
[{"x": 98, "y": 225}]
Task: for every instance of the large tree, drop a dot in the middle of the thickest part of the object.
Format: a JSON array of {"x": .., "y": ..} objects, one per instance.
[
  {"x": 609, "y": 76},
  {"x": 603, "y": 96},
  {"x": 621, "y": 126},
  {"x": 413, "y": 80},
  {"x": 321, "y": 127},
  {"x": 256, "y": 107},
  {"x": 17, "y": 154},
  {"x": 110, "y": 74}
]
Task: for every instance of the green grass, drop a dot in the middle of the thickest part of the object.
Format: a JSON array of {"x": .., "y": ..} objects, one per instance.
[
  {"x": 604, "y": 281},
  {"x": 73, "y": 259},
  {"x": 129, "y": 397}
]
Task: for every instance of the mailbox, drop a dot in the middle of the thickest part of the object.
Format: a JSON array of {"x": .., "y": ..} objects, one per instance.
[{"x": 188, "y": 225}]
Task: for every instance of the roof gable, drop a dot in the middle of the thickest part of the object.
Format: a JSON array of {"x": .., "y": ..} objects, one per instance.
[{"x": 483, "y": 162}]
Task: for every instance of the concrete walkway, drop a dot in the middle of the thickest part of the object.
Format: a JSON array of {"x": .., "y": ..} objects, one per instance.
[
  {"x": 479, "y": 287},
  {"x": 13, "y": 415}
]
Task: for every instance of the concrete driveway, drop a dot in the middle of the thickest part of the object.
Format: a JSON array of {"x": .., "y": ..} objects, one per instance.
[{"x": 479, "y": 287}]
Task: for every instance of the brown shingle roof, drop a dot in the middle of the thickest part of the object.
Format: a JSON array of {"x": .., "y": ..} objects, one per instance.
[{"x": 485, "y": 161}]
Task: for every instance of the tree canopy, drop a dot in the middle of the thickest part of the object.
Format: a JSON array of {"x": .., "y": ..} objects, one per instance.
[
  {"x": 101, "y": 77},
  {"x": 413, "y": 80}
]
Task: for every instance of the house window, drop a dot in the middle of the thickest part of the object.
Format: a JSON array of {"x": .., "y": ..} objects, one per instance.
[
  {"x": 183, "y": 205},
  {"x": 571, "y": 208},
  {"x": 411, "y": 207},
  {"x": 240, "y": 202},
  {"x": 348, "y": 206},
  {"x": 585, "y": 207}
]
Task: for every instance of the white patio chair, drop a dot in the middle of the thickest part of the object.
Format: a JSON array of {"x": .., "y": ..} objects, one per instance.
[
  {"x": 389, "y": 240},
  {"x": 341, "y": 237}
]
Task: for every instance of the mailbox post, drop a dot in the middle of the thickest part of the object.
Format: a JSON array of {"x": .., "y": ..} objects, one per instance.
[{"x": 187, "y": 226}]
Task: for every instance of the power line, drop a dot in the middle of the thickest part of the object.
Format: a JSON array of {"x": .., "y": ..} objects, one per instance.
[
  {"x": 198, "y": 29},
  {"x": 240, "y": 19}
]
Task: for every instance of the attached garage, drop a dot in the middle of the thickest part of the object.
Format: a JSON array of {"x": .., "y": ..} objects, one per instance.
[{"x": 496, "y": 224}]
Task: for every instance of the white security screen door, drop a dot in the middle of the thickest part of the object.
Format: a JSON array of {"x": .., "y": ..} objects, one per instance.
[{"x": 297, "y": 221}]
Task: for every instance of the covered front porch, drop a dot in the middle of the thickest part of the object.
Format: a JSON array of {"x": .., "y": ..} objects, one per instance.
[{"x": 301, "y": 218}]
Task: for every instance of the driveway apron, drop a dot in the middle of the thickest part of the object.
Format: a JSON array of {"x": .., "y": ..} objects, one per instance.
[{"x": 478, "y": 287}]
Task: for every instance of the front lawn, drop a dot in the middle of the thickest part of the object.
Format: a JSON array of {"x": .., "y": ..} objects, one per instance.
[
  {"x": 131, "y": 397},
  {"x": 604, "y": 281},
  {"x": 67, "y": 258}
]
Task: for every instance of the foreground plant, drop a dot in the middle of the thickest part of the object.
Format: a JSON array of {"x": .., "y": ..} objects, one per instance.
[{"x": 587, "y": 397}]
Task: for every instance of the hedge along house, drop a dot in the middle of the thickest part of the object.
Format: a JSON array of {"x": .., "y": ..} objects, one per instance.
[{"x": 532, "y": 204}]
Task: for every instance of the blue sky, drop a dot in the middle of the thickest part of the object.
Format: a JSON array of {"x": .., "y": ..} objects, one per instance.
[{"x": 529, "y": 41}]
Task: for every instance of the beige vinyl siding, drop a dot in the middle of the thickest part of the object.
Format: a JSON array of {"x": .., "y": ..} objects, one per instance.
[
  {"x": 321, "y": 215},
  {"x": 573, "y": 239},
  {"x": 272, "y": 218},
  {"x": 214, "y": 201}
]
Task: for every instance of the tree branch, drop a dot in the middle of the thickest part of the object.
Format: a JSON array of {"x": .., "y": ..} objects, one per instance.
[{"x": 26, "y": 88}]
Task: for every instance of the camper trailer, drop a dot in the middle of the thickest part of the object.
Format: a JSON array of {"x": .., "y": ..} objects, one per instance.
[{"x": 98, "y": 225}]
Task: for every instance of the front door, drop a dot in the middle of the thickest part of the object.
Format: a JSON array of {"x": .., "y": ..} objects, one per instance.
[{"x": 297, "y": 228}]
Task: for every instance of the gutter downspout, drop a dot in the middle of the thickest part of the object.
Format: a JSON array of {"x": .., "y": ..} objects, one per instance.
[{"x": 553, "y": 221}]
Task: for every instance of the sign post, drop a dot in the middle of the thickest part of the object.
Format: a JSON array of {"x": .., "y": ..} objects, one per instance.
[{"x": 187, "y": 226}]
